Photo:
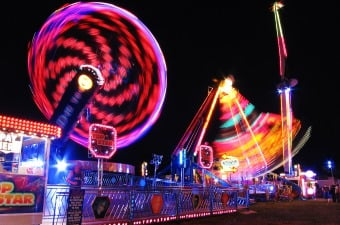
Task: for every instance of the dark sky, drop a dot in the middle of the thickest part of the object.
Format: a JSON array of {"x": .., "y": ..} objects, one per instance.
[{"x": 203, "y": 40}]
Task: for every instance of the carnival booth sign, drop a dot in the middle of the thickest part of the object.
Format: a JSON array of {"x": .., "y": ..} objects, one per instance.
[
  {"x": 230, "y": 164},
  {"x": 102, "y": 144},
  {"x": 205, "y": 156},
  {"x": 24, "y": 154}
]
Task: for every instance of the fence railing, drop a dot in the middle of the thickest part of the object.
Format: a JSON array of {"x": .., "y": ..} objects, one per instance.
[{"x": 135, "y": 204}]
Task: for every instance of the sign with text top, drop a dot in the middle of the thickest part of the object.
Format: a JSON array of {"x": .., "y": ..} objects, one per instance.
[
  {"x": 75, "y": 206},
  {"x": 205, "y": 157},
  {"x": 102, "y": 140}
]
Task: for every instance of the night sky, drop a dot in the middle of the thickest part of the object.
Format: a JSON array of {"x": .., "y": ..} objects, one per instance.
[{"x": 202, "y": 41}]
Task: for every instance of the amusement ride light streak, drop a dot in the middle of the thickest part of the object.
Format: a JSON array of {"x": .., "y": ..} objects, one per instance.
[
  {"x": 284, "y": 89},
  {"x": 243, "y": 131},
  {"x": 244, "y": 117},
  {"x": 121, "y": 47}
]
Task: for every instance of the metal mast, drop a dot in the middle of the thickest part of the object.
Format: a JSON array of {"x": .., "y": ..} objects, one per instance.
[{"x": 284, "y": 89}]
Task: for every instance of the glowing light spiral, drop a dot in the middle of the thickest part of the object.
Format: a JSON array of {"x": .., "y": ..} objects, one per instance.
[
  {"x": 121, "y": 47},
  {"x": 253, "y": 138}
]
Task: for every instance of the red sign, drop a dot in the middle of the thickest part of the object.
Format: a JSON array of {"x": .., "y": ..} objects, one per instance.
[
  {"x": 102, "y": 140},
  {"x": 205, "y": 157}
]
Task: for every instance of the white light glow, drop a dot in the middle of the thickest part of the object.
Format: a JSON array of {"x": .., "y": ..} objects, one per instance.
[
  {"x": 310, "y": 174},
  {"x": 61, "y": 165},
  {"x": 310, "y": 191}
]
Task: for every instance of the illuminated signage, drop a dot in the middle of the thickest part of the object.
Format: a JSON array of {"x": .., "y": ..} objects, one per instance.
[
  {"x": 230, "y": 164},
  {"x": 102, "y": 141},
  {"x": 11, "y": 124},
  {"x": 10, "y": 142},
  {"x": 205, "y": 156},
  {"x": 10, "y": 198}
]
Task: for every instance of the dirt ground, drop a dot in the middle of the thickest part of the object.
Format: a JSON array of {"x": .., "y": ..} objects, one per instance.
[{"x": 296, "y": 212}]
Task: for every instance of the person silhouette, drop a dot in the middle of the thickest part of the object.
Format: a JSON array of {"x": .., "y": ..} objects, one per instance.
[{"x": 74, "y": 177}]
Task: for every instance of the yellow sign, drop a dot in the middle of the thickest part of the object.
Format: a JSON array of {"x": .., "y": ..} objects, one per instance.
[
  {"x": 10, "y": 198},
  {"x": 230, "y": 164}
]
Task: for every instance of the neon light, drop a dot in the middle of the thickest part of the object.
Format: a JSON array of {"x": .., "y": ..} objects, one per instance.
[
  {"x": 84, "y": 82},
  {"x": 255, "y": 138},
  {"x": 181, "y": 158},
  {"x": 205, "y": 157},
  {"x": 230, "y": 164},
  {"x": 114, "y": 41},
  {"x": 286, "y": 111},
  {"x": 286, "y": 120},
  {"x": 11, "y": 124},
  {"x": 206, "y": 123},
  {"x": 280, "y": 38},
  {"x": 303, "y": 187},
  {"x": 236, "y": 118},
  {"x": 252, "y": 134},
  {"x": 102, "y": 141},
  {"x": 310, "y": 174}
]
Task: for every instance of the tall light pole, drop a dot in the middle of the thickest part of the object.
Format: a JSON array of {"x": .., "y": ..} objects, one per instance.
[
  {"x": 284, "y": 89},
  {"x": 330, "y": 166}
]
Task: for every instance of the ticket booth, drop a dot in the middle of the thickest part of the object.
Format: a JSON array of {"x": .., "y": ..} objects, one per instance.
[{"x": 24, "y": 155}]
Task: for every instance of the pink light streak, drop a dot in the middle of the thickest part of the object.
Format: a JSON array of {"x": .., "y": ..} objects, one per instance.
[{"x": 121, "y": 47}]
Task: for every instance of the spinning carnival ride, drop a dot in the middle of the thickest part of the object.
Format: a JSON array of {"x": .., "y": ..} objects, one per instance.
[
  {"x": 95, "y": 63},
  {"x": 118, "y": 56},
  {"x": 248, "y": 143},
  {"x": 128, "y": 72}
]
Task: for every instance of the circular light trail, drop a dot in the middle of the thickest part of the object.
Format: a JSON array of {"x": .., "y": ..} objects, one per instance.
[{"x": 121, "y": 47}]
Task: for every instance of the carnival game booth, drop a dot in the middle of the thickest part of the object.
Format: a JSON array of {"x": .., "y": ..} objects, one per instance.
[{"x": 24, "y": 153}]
